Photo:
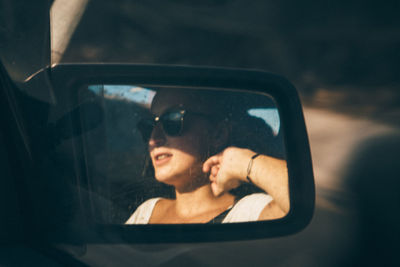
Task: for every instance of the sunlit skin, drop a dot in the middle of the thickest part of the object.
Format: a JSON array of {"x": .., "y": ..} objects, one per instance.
[{"x": 202, "y": 182}]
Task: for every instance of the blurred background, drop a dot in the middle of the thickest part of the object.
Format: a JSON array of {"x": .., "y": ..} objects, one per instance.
[
  {"x": 339, "y": 54},
  {"x": 342, "y": 56}
]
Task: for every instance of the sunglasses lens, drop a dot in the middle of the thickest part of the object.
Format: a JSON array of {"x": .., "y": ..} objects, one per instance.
[{"x": 172, "y": 123}]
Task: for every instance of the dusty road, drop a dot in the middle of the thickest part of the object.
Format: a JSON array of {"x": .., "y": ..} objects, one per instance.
[{"x": 334, "y": 138}]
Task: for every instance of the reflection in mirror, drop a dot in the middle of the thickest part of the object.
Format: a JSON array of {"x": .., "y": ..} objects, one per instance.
[{"x": 169, "y": 155}]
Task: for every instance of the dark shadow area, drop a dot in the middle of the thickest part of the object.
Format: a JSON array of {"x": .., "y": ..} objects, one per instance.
[
  {"x": 373, "y": 177},
  {"x": 312, "y": 43}
]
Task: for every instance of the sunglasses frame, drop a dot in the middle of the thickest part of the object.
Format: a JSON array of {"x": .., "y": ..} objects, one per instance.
[{"x": 159, "y": 119}]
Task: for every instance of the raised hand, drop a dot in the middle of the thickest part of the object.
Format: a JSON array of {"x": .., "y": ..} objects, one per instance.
[{"x": 227, "y": 169}]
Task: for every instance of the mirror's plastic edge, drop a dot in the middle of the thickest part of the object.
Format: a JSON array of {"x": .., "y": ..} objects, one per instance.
[{"x": 301, "y": 179}]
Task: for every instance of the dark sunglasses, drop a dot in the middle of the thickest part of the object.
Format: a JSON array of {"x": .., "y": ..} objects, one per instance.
[{"x": 172, "y": 122}]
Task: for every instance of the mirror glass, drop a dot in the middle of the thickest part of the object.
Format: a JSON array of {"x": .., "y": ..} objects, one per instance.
[{"x": 172, "y": 155}]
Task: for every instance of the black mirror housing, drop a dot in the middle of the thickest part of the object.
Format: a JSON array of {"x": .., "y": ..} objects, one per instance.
[{"x": 67, "y": 79}]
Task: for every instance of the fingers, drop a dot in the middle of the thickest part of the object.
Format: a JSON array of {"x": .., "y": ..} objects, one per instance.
[
  {"x": 214, "y": 171},
  {"x": 210, "y": 162},
  {"x": 216, "y": 190},
  {"x": 214, "y": 174},
  {"x": 219, "y": 177},
  {"x": 212, "y": 165}
]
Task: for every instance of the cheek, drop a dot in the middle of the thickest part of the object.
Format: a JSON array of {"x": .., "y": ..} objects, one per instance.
[
  {"x": 196, "y": 139},
  {"x": 189, "y": 152},
  {"x": 194, "y": 145},
  {"x": 182, "y": 164}
]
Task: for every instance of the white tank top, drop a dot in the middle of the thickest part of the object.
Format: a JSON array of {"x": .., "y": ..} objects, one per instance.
[{"x": 247, "y": 209}]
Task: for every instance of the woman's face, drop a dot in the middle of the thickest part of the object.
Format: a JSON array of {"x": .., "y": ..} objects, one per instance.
[{"x": 178, "y": 160}]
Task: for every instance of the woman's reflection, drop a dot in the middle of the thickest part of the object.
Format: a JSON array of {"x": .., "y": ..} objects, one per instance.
[{"x": 191, "y": 146}]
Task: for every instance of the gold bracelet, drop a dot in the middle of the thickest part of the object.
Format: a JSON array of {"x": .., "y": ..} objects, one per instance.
[{"x": 249, "y": 167}]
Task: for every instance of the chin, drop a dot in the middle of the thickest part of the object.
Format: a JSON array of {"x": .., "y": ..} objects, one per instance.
[
  {"x": 174, "y": 179},
  {"x": 165, "y": 178},
  {"x": 183, "y": 181}
]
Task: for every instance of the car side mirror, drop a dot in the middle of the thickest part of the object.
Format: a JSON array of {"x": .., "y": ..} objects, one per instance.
[{"x": 159, "y": 125}]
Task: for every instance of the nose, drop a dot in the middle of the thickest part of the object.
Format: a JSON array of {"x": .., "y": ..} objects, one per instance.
[{"x": 157, "y": 137}]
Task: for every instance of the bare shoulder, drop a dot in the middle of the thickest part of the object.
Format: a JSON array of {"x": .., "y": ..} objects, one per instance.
[
  {"x": 271, "y": 211},
  {"x": 161, "y": 210}
]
